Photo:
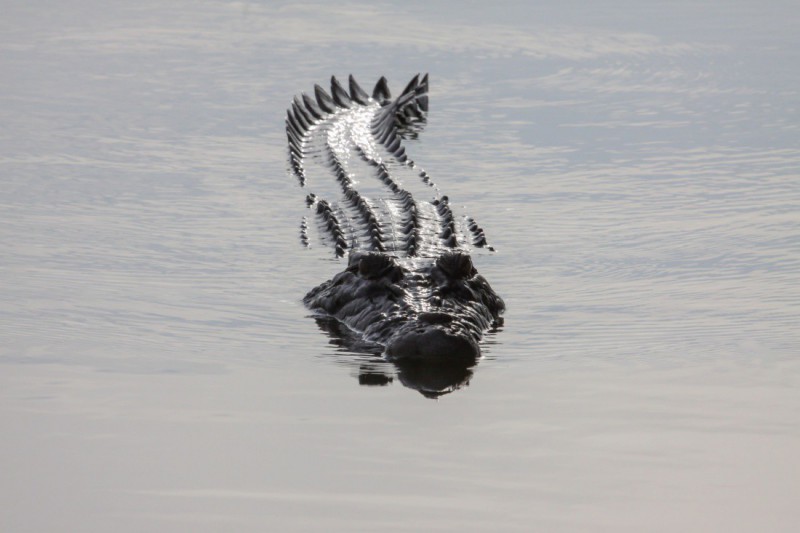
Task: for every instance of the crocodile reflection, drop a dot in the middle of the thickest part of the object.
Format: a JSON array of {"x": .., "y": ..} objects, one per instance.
[{"x": 431, "y": 378}]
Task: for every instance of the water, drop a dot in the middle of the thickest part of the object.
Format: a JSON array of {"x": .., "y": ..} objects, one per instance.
[{"x": 635, "y": 165}]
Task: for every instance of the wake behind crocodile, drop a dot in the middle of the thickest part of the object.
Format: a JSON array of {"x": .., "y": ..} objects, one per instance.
[{"x": 409, "y": 286}]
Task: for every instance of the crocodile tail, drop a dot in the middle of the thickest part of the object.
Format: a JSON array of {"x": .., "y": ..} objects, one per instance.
[{"x": 405, "y": 114}]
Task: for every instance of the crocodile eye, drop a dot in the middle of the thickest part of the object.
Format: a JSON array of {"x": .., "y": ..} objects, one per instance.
[
  {"x": 456, "y": 265},
  {"x": 377, "y": 265}
]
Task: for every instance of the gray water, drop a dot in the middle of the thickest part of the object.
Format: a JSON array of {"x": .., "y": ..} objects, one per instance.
[{"x": 636, "y": 165}]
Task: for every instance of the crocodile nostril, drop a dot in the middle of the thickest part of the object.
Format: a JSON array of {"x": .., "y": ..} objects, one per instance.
[{"x": 435, "y": 318}]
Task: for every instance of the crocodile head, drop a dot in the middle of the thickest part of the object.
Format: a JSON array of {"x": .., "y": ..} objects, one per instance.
[{"x": 431, "y": 309}]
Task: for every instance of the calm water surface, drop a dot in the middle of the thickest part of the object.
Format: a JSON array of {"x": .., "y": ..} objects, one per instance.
[{"x": 637, "y": 167}]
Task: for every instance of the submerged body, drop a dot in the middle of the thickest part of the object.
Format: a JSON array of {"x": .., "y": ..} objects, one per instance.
[{"x": 410, "y": 286}]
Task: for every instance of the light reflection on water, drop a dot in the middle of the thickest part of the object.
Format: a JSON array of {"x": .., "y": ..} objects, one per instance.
[{"x": 637, "y": 171}]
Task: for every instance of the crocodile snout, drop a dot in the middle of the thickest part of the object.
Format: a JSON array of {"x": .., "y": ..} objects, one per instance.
[{"x": 432, "y": 343}]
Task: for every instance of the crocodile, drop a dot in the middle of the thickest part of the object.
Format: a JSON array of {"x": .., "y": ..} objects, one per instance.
[{"x": 410, "y": 286}]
